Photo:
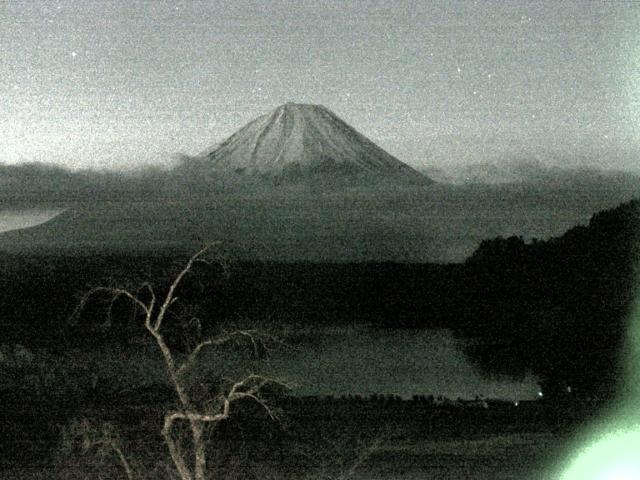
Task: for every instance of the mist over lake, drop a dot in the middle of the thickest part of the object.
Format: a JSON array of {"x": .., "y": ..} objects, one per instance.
[{"x": 438, "y": 223}]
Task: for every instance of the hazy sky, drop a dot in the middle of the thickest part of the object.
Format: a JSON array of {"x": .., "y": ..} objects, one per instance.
[{"x": 112, "y": 83}]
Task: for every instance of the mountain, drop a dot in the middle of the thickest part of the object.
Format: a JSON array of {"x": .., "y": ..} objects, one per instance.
[{"x": 301, "y": 141}]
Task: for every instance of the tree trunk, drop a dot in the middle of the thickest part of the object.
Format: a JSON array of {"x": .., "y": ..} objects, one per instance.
[
  {"x": 200, "y": 450},
  {"x": 175, "y": 453}
]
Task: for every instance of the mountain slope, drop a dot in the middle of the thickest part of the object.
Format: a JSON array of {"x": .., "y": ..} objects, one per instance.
[{"x": 301, "y": 140}]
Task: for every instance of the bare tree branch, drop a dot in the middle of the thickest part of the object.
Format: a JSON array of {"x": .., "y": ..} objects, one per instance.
[
  {"x": 169, "y": 298},
  {"x": 259, "y": 342},
  {"x": 115, "y": 293},
  {"x": 249, "y": 387},
  {"x": 196, "y": 418},
  {"x": 100, "y": 439},
  {"x": 361, "y": 459}
]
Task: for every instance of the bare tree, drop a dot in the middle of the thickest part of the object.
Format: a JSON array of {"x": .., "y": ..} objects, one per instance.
[
  {"x": 197, "y": 415},
  {"x": 102, "y": 440}
]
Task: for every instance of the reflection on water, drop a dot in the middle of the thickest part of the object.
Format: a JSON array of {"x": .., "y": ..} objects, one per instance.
[
  {"x": 365, "y": 361},
  {"x": 17, "y": 219},
  {"x": 368, "y": 361},
  {"x": 335, "y": 361}
]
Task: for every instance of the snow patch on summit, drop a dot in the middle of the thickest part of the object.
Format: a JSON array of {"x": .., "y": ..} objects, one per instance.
[{"x": 302, "y": 140}]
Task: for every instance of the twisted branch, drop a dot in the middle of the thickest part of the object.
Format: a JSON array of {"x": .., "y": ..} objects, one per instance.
[
  {"x": 259, "y": 341},
  {"x": 250, "y": 387}
]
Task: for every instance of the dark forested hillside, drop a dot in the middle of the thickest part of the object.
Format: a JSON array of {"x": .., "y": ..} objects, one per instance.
[{"x": 559, "y": 306}]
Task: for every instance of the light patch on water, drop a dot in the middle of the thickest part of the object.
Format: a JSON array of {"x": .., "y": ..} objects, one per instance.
[
  {"x": 19, "y": 219},
  {"x": 364, "y": 361},
  {"x": 342, "y": 361}
]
